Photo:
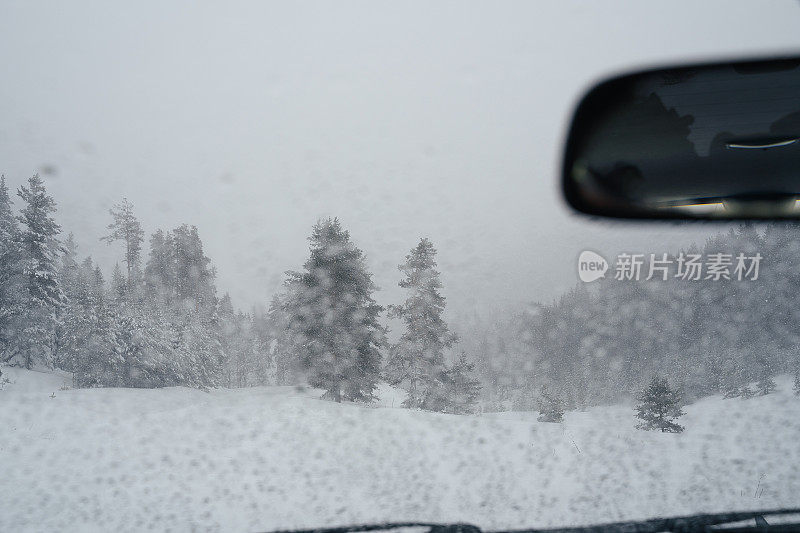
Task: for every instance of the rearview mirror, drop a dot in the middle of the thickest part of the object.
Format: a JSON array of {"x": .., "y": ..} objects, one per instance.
[{"x": 705, "y": 141}]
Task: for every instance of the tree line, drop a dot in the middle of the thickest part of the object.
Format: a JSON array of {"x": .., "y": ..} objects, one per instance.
[
  {"x": 159, "y": 322},
  {"x": 603, "y": 342}
]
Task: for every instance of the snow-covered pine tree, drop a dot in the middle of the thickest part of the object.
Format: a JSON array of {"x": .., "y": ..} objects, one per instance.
[
  {"x": 170, "y": 333},
  {"x": 241, "y": 366},
  {"x": 765, "y": 365},
  {"x": 253, "y": 364},
  {"x": 43, "y": 294},
  {"x": 139, "y": 330},
  {"x": 462, "y": 389},
  {"x": 658, "y": 406},
  {"x": 69, "y": 277},
  {"x": 80, "y": 330},
  {"x": 199, "y": 352},
  {"x": 125, "y": 227},
  {"x": 765, "y": 385},
  {"x": 90, "y": 334},
  {"x": 263, "y": 344},
  {"x": 12, "y": 281},
  {"x": 416, "y": 361},
  {"x": 334, "y": 318},
  {"x": 194, "y": 275},
  {"x": 140, "y": 354},
  {"x": 796, "y": 387},
  {"x": 282, "y": 350},
  {"x": 94, "y": 361},
  {"x": 232, "y": 369},
  {"x": 524, "y": 399},
  {"x": 119, "y": 285},
  {"x": 735, "y": 378},
  {"x": 68, "y": 273},
  {"x": 160, "y": 270},
  {"x": 98, "y": 284},
  {"x": 551, "y": 407}
]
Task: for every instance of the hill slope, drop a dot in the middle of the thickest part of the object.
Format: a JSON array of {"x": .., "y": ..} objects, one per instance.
[{"x": 274, "y": 457}]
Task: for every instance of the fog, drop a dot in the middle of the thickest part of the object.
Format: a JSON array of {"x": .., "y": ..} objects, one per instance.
[{"x": 253, "y": 120}]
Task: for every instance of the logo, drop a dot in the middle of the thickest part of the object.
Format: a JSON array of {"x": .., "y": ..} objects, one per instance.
[
  {"x": 686, "y": 266},
  {"x": 591, "y": 266}
]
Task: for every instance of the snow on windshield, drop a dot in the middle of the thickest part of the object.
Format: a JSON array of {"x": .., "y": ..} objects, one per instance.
[{"x": 275, "y": 267}]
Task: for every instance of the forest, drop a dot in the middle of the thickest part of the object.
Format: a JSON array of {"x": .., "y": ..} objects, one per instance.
[
  {"x": 603, "y": 342},
  {"x": 157, "y": 320}
]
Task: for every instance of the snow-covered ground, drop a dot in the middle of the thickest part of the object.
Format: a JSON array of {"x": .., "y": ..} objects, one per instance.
[{"x": 276, "y": 457}]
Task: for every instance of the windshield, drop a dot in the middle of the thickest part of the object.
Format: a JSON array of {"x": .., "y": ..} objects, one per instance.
[{"x": 292, "y": 265}]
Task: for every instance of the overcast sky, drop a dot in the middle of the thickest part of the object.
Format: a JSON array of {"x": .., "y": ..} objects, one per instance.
[{"x": 405, "y": 119}]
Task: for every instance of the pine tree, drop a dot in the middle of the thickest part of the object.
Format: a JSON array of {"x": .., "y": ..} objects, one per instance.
[
  {"x": 199, "y": 348},
  {"x": 12, "y": 281},
  {"x": 140, "y": 354},
  {"x": 735, "y": 377},
  {"x": 98, "y": 284},
  {"x": 126, "y": 228},
  {"x": 417, "y": 359},
  {"x": 462, "y": 389},
  {"x": 194, "y": 276},
  {"x": 91, "y": 342},
  {"x": 765, "y": 384},
  {"x": 160, "y": 270},
  {"x": 334, "y": 318},
  {"x": 796, "y": 387},
  {"x": 658, "y": 406},
  {"x": 43, "y": 294},
  {"x": 119, "y": 285},
  {"x": 263, "y": 344},
  {"x": 68, "y": 273},
  {"x": 69, "y": 277},
  {"x": 173, "y": 334},
  {"x": 283, "y": 351},
  {"x": 241, "y": 366},
  {"x": 79, "y": 327},
  {"x": 524, "y": 399},
  {"x": 551, "y": 408},
  {"x": 198, "y": 355},
  {"x": 87, "y": 340},
  {"x": 231, "y": 367}
]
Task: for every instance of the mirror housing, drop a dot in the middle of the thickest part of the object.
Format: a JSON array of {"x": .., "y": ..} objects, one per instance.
[{"x": 711, "y": 141}]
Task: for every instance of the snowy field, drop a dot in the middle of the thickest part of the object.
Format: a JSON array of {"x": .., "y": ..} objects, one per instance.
[{"x": 275, "y": 457}]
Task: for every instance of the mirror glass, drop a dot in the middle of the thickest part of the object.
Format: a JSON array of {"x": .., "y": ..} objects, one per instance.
[{"x": 706, "y": 141}]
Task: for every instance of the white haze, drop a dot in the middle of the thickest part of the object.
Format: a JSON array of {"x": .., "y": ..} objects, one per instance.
[{"x": 252, "y": 120}]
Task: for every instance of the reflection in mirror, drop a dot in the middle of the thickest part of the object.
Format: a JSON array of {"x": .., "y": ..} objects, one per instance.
[{"x": 712, "y": 141}]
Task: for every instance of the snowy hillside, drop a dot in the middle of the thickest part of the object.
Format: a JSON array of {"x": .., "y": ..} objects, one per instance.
[{"x": 276, "y": 457}]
